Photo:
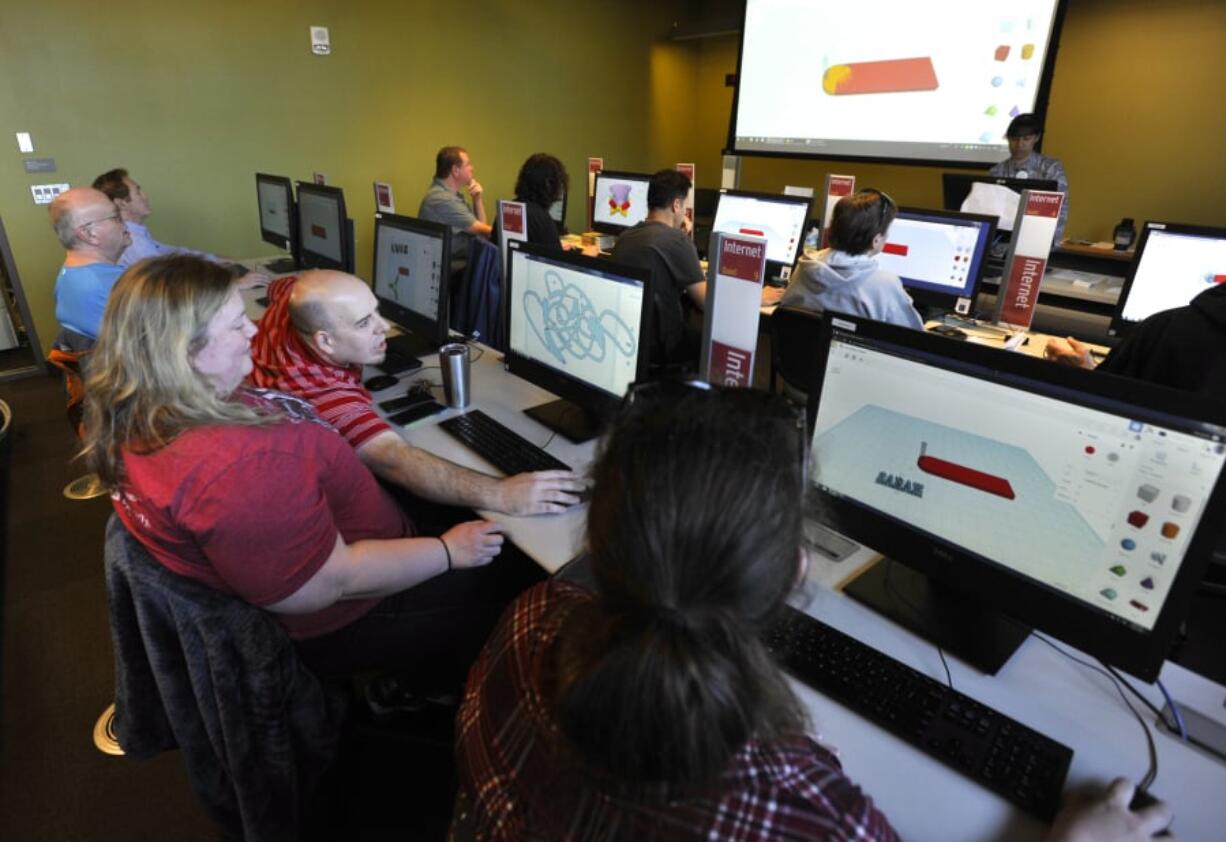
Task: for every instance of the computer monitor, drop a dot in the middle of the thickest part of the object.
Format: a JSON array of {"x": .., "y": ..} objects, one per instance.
[
  {"x": 577, "y": 327},
  {"x": 620, "y": 201},
  {"x": 278, "y": 218},
  {"x": 939, "y": 255},
  {"x": 955, "y": 187},
  {"x": 1011, "y": 491},
  {"x": 325, "y": 233},
  {"x": 779, "y": 219},
  {"x": 1174, "y": 263},
  {"x": 411, "y": 279}
]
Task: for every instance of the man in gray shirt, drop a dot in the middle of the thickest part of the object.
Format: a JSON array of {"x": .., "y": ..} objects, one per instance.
[{"x": 445, "y": 203}]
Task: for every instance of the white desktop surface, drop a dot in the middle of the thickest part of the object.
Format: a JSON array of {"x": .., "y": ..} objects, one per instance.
[
  {"x": 923, "y": 799},
  {"x": 551, "y": 540}
]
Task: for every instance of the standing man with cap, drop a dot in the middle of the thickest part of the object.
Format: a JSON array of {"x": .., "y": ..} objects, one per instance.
[{"x": 1023, "y": 135}]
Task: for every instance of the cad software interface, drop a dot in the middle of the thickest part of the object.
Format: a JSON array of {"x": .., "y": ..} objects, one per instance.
[
  {"x": 408, "y": 268},
  {"x": 620, "y": 201},
  {"x": 274, "y": 207},
  {"x": 1096, "y": 505},
  {"x": 1173, "y": 269},
  {"x": 320, "y": 231},
  {"x": 581, "y": 322},
  {"x": 781, "y": 224},
  {"x": 933, "y": 253}
]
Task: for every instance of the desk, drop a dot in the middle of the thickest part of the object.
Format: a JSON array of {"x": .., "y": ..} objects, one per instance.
[{"x": 922, "y": 798}]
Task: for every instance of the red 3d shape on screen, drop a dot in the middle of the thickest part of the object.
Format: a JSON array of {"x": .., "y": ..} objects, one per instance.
[
  {"x": 963, "y": 475},
  {"x": 899, "y": 75}
]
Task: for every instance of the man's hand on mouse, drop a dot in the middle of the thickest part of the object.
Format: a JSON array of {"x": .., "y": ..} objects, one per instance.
[{"x": 1108, "y": 819}]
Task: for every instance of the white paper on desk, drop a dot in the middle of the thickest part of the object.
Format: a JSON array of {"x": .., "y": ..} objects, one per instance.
[{"x": 993, "y": 200}]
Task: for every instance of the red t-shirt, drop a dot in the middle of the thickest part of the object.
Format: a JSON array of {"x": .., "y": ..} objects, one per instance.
[
  {"x": 284, "y": 362},
  {"x": 255, "y": 511}
]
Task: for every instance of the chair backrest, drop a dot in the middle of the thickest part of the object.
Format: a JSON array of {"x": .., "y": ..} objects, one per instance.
[
  {"x": 478, "y": 309},
  {"x": 208, "y": 673},
  {"x": 68, "y": 354},
  {"x": 794, "y": 341}
]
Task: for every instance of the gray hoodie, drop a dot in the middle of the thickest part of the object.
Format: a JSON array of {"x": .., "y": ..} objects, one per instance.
[{"x": 846, "y": 283}]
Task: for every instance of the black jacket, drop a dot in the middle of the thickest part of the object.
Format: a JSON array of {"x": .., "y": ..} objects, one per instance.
[
  {"x": 216, "y": 677},
  {"x": 1184, "y": 348}
]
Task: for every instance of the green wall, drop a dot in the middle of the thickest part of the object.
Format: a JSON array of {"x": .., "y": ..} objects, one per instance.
[
  {"x": 195, "y": 96},
  {"x": 1134, "y": 114}
]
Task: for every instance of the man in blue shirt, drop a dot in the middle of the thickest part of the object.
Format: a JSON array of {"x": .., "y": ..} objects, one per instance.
[
  {"x": 133, "y": 204},
  {"x": 92, "y": 231}
]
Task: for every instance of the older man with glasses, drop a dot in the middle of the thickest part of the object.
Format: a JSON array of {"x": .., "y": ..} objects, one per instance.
[{"x": 91, "y": 230}]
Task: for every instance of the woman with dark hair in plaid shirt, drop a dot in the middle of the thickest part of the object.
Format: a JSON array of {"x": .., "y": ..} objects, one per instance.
[{"x": 650, "y": 709}]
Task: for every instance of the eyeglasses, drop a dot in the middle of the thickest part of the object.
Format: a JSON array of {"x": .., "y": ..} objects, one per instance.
[
  {"x": 885, "y": 203},
  {"x": 115, "y": 216}
]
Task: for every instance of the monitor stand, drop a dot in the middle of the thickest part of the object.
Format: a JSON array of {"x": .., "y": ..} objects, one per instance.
[
  {"x": 949, "y": 618},
  {"x": 569, "y": 419}
]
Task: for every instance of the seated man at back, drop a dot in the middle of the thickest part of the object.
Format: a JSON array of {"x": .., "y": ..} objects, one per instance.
[
  {"x": 845, "y": 277},
  {"x": 445, "y": 204},
  {"x": 318, "y": 332},
  {"x": 89, "y": 226},
  {"x": 133, "y": 205},
  {"x": 1183, "y": 348},
  {"x": 660, "y": 244}
]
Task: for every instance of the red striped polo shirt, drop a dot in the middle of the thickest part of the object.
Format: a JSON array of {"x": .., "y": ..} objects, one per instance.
[{"x": 284, "y": 362}]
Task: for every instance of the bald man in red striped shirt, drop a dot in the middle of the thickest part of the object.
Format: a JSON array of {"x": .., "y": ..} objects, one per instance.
[{"x": 319, "y": 330}]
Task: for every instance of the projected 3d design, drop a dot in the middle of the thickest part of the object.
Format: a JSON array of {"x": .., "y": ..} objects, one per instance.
[{"x": 880, "y": 77}]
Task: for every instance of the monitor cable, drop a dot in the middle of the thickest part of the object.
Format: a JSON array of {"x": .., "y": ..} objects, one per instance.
[{"x": 1152, "y": 774}]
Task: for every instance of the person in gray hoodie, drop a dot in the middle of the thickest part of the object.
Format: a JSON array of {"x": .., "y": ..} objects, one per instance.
[{"x": 845, "y": 278}]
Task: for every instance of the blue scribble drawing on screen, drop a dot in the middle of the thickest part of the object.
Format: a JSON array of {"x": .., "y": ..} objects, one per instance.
[{"x": 566, "y": 323}]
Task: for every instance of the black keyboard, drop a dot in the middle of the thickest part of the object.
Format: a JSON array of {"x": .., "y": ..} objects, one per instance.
[
  {"x": 1003, "y": 755},
  {"x": 509, "y": 452},
  {"x": 280, "y": 266}
]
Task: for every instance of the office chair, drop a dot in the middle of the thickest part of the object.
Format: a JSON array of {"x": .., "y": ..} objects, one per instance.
[
  {"x": 68, "y": 354},
  {"x": 218, "y": 678},
  {"x": 477, "y": 306},
  {"x": 794, "y": 344}
]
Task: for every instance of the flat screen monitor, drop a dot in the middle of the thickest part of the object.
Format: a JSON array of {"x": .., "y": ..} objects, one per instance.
[
  {"x": 411, "y": 280},
  {"x": 892, "y": 80},
  {"x": 956, "y": 187},
  {"x": 1174, "y": 264},
  {"x": 278, "y": 218},
  {"x": 779, "y": 219},
  {"x": 1081, "y": 504},
  {"x": 325, "y": 233},
  {"x": 577, "y": 327},
  {"x": 939, "y": 255},
  {"x": 620, "y": 201}
]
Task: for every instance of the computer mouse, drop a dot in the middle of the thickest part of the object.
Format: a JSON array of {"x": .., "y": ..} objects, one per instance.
[
  {"x": 1141, "y": 799},
  {"x": 380, "y": 382}
]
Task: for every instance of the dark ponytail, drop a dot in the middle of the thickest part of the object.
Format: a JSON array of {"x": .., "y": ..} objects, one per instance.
[{"x": 694, "y": 530}]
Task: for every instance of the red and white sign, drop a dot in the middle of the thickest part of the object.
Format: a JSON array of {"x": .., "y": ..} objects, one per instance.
[
  {"x": 837, "y": 186},
  {"x": 1038, "y": 213},
  {"x": 731, "y": 315},
  {"x": 594, "y": 165},
  {"x": 384, "y": 203},
  {"x": 513, "y": 219},
  {"x": 687, "y": 170}
]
